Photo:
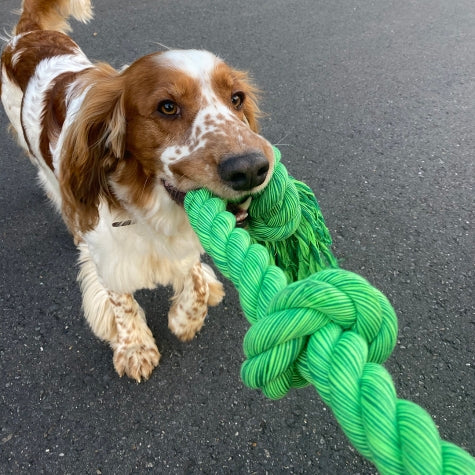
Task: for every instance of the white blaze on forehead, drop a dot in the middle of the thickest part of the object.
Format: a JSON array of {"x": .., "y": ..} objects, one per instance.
[
  {"x": 213, "y": 113},
  {"x": 198, "y": 64}
]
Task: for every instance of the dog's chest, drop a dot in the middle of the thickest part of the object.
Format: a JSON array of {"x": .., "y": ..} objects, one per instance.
[{"x": 136, "y": 256}]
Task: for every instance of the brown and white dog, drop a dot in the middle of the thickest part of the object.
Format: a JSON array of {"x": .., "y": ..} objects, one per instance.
[{"x": 115, "y": 148}]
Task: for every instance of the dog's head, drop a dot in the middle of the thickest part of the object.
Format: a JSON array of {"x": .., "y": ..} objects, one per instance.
[{"x": 169, "y": 123}]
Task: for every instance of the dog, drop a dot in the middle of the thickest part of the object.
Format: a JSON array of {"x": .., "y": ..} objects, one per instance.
[{"x": 117, "y": 151}]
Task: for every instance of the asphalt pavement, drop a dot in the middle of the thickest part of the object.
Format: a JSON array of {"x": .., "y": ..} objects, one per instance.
[{"x": 373, "y": 105}]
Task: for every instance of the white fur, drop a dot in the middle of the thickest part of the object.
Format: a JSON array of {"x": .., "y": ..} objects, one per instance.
[
  {"x": 11, "y": 99},
  {"x": 46, "y": 71},
  {"x": 140, "y": 255},
  {"x": 96, "y": 304},
  {"x": 196, "y": 63}
]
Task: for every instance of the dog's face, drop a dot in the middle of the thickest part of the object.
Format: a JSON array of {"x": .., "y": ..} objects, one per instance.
[
  {"x": 195, "y": 117},
  {"x": 173, "y": 121}
]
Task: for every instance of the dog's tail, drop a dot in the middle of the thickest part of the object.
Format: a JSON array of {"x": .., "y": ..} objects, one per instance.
[{"x": 52, "y": 14}]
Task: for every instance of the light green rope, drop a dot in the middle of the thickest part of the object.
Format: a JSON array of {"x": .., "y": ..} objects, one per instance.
[{"x": 331, "y": 329}]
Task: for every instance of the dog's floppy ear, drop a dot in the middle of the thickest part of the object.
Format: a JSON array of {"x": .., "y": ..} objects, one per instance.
[{"x": 94, "y": 142}]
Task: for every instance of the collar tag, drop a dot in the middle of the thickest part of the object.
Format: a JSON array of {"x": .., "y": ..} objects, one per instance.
[{"x": 119, "y": 224}]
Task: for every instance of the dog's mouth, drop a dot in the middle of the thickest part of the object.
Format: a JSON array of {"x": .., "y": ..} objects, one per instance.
[
  {"x": 239, "y": 209},
  {"x": 175, "y": 194}
]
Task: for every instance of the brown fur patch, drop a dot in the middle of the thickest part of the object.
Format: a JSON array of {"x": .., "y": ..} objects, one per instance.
[{"x": 20, "y": 63}]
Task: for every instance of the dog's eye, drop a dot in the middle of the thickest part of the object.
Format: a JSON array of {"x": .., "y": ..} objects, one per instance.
[
  {"x": 168, "y": 108},
  {"x": 237, "y": 100}
]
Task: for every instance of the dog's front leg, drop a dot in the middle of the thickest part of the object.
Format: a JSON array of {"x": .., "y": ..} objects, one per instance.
[
  {"x": 135, "y": 351},
  {"x": 119, "y": 320},
  {"x": 198, "y": 289}
]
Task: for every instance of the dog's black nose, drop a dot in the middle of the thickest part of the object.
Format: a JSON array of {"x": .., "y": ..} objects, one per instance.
[{"x": 244, "y": 172}]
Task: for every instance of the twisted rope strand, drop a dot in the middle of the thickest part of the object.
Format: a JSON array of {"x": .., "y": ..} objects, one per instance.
[{"x": 331, "y": 329}]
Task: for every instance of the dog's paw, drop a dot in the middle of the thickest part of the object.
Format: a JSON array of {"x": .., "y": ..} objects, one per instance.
[
  {"x": 215, "y": 287},
  {"x": 216, "y": 293},
  {"x": 186, "y": 324},
  {"x": 136, "y": 360}
]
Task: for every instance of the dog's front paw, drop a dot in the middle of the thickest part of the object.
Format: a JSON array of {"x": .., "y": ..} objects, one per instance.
[
  {"x": 216, "y": 293},
  {"x": 215, "y": 287},
  {"x": 136, "y": 360},
  {"x": 186, "y": 324}
]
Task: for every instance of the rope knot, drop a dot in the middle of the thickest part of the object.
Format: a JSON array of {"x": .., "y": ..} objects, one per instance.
[{"x": 275, "y": 346}]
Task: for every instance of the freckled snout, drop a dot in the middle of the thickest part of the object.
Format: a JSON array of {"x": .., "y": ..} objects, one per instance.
[{"x": 244, "y": 172}]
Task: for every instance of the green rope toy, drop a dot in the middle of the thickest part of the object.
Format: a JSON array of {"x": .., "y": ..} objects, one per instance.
[{"x": 312, "y": 322}]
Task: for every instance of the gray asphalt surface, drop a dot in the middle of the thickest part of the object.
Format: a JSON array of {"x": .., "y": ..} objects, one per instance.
[{"x": 373, "y": 105}]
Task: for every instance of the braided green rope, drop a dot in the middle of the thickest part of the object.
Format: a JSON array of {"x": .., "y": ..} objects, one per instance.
[
  {"x": 286, "y": 221},
  {"x": 331, "y": 329}
]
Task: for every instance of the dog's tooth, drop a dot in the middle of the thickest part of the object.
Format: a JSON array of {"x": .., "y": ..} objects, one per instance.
[{"x": 245, "y": 205}]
